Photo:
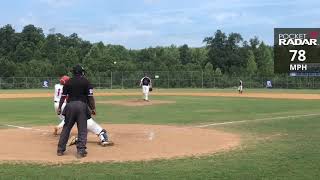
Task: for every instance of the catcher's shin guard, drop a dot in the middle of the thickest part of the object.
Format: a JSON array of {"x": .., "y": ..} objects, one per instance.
[
  {"x": 104, "y": 141},
  {"x": 103, "y": 135}
]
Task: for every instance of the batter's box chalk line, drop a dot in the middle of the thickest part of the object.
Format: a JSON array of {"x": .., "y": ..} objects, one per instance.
[{"x": 150, "y": 134}]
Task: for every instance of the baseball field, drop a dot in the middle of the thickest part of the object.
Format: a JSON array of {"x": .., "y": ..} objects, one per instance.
[{"x": 179, "y": 134}]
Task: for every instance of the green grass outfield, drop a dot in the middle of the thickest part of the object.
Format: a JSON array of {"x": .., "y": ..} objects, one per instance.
[{"x": 292, "y": 150}]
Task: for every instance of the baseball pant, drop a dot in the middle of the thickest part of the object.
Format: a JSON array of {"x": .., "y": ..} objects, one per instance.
[
  {"x": 61, "y": 117},
  {"x": 94, "y": 127},
  {"x": 56, "y": 106},
  {"x": 75, "y": 112},
  {"x": 145, "y": 91}
]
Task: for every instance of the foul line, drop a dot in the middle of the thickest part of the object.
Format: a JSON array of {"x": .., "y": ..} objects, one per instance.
[
  {"x": 263, "y": 119},
  {"x": 25, "y": 128}
]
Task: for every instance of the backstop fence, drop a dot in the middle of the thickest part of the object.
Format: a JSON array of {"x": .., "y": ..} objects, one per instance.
[{"x": 165, "y": 79}]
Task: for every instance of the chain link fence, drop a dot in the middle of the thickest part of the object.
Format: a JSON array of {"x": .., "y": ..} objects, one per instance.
[{"x": 166, "y": 79}]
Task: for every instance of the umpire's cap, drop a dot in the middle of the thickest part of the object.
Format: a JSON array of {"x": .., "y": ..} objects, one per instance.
[{"x": 78, "y": 70}]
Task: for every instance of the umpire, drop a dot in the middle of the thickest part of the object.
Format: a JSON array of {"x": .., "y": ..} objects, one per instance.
[{"x": 80, "y": 95}]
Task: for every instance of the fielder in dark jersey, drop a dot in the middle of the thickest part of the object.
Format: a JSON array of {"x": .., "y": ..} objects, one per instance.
[{"x": 80, "y": 95}]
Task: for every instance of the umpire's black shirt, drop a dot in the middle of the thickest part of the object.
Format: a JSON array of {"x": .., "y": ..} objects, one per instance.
[{"x": 78, "y": 88}]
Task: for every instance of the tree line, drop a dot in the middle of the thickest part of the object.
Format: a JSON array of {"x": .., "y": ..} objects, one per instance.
[{"x": 31, "y": 53}]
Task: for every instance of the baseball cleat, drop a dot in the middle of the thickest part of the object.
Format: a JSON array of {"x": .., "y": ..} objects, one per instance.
[
  {"x": 72, "y": 141},
  {"x": 55, "y": 131},
  {"x": 60, "y": 153},
  {"x": 81, "y": 155},
  {"x": 106, "y": 143}
]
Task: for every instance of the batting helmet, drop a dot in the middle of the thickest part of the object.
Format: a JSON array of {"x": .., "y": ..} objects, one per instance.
[{"x": 64, "y": 80}]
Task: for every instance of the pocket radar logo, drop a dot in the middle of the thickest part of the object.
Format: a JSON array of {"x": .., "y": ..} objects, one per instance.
[
  {"x": 302, "y": 39},
  {"x": 297, "y": 50}
]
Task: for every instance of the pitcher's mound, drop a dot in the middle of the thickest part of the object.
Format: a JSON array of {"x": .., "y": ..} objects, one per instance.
[
  {"x": 132, "y": 143},
  {"x": 136, "y": 102}
]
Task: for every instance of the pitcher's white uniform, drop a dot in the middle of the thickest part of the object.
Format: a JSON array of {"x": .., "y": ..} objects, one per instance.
[
  {"x": 240, "y": 88},
  {"x": 145, "y": 82}
]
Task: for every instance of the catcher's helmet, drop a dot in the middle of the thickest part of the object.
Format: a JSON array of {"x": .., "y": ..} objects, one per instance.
[
  {"x": 64, "y": 80},
  {"x": 78, "y": 70}
]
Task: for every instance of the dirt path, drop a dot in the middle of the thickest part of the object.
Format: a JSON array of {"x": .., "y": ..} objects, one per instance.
[
  {"x": 203, "y": 94},
  {"x": 132, "y": 143}
]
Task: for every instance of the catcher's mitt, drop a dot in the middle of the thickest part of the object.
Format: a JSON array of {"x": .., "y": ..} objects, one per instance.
[{"x": 150, "y": 89}]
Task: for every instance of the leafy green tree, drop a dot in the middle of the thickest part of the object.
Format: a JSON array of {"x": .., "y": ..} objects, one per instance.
[
  {"x": 31, "y": 53},
  {"x": 8, "y": 41},
  {"x": 50, "y": 48},
  {"x": 208, "y": 67},
  {"x": 125, "y": 66},
  {"x": 83, "y": 50},
  {"x": 185, "y": 54},
  {"x": 233, "y": 41},
  {"x": 193, "y": 67},
  {"x": 38, "y": 68},
  {"x": 7, "y": 67},
  {"x": 218, "y": 72},
  {"x": 254, "y": 42},
  {"x": 235, "y": 61},
  {"x": 60, "y": 70},
  {"x": 170, "y": 56},
  {"x": 224, "y": 51},
  {"x": 116, "y": 53},
  {"x": 208, "y": 72},
  {"x": 264, "y": 61},
  {"x": 199, "y": 56},
  {"x": 71, "y": 58},
  {"x": 216, "y": 46},
  {"x": 251, "y": 64},
  {"x": 32, "y": 34},
  {"x": 24, "y": 51},
  {"x": 254, "y": 45},
  {"x": 31, "y": 39},
  {"x": 93, "y": 60},
  {"x": 147, "y": 55}
]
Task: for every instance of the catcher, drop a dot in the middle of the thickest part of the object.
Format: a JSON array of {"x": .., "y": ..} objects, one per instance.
[{"x": 92, "y": 125}]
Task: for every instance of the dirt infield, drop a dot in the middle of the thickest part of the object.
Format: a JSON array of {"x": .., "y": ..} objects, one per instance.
[
  {"x": 201, "y": 94},
  {"x": 136, "y": 102},
  {"x": 132, "y": 143}
]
